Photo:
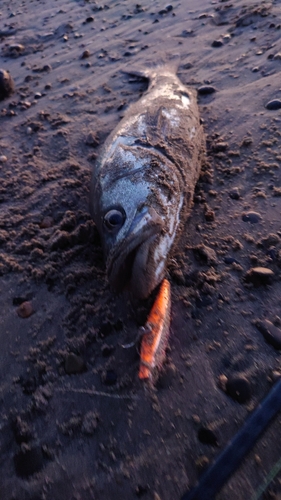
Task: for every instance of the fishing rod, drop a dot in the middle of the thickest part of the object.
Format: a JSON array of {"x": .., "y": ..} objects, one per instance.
[{"x": 227, "y": 462}]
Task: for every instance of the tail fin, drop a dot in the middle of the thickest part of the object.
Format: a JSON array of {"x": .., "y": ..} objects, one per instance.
[{"x": 164, "y": 65}]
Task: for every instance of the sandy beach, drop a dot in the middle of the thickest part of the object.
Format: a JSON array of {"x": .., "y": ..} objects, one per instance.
[{"x": 76, "y": 422}]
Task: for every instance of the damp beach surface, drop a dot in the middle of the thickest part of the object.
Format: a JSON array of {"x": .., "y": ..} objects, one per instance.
[{"x": 76, "y": 422}]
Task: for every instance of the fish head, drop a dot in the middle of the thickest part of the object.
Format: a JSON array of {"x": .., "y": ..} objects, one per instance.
[{"x": 133, "y": 228}]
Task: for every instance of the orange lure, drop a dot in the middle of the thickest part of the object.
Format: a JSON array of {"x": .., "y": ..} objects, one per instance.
[{"x": 155, "y": 338}]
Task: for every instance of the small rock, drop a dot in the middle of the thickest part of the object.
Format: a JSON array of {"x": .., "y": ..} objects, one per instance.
[
  {"x": 202, "y": 462},
  {"x": 18, "y": 47},
  {"x": 90, "y": 19},
  {"x": 109, "y": 377},
  {"x": 270, "y": 240},
  {"x": 46, "y": 67},
  {"x": 277, "y": 56},
  {"x": 7, "y": 86},
  {"x": 259, "y": 276},
  {"x": 3, "y": 159},
  {"x": 217, "y": 43},
  {"x": 46, "y": 223},
  {"x": 271, "y": 333},
  {"x": 274, "y": 104},
  {"x": 28, "y": 460},
  {"x": 252, "y": 217},
  {"x": 206, "y": 254},
  {"x": 235, "y": 193},
  {"x": 209, "y": 214},
  {"x": 220, "y": 146},
  {"x": 206, "y": 89},
  {"x": 92, "y": 140},
  {"x": 238, "y": 388},
  {"x": 38, "y": 95},
  {"x": 85, "y": 54},
  {"x": 207, "y": 436},
  {"x": 74, "y": 364},
  {"x": 25, "y": 310},
  {"x": 246, "y": 142}
]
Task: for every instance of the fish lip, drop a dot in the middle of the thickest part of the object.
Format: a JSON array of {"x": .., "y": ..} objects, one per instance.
[{"x": 122, "y": 259}]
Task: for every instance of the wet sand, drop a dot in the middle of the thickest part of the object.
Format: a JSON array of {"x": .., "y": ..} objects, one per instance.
[{"x": 75, "y": 420}]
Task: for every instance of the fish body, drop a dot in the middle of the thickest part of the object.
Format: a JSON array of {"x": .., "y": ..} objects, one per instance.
[{"x": 143, "y": 182}]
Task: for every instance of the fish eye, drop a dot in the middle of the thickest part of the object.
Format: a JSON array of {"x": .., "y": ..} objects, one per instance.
[{"x": 114, "y": 219}]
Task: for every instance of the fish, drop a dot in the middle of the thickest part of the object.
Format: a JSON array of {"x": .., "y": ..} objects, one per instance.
[{"x": 143, "y": 182}]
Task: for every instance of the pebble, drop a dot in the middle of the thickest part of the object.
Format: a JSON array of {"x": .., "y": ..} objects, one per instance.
[
  {"x": 206, "y": 89},
  {"x": 92, "y": 140},
  {"x": 217, "y": 43},
  {"x": 85, "y": 54},
  {"x": 74, "y": 364},
  {"x": 17, "y": 46},
  {"x": 274, "y": 104},
  {"x": 252, "y": 217},
  {"x": 25, "y": 310},
  {"x": 206, "y": 254},
  {"x": 109, "y": 377},
  {"x": 271, "y": 333},
  {"x": 277, "y": 56},
  {"x": 207, "y": 436},
  {"x": 270, "y": 240},
  {"x": 220, "y": 146},
  {"x": 209, "y": 215},
  {"x": 28, "y": 460},
  {"x": 235, "y": 193},
  {"x": 46, "y": 222},
  {"x": 238, "y": 388},
  {"x": 3, "y": 159},
  {"x": 259, "y": 276},
  {"x": 7, "y": 86},
  {"x": 38, "y": 95},
  {"x": 167, "y": 9}
]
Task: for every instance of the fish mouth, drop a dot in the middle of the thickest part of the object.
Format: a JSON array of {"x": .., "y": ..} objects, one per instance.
[{"x": 130, "y": 264}]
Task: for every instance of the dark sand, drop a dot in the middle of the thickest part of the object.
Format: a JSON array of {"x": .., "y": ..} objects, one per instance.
[{"x": 98, "y": 434}]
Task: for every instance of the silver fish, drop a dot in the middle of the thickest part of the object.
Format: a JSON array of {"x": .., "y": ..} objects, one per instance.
[{"x": 143, "y": 182}]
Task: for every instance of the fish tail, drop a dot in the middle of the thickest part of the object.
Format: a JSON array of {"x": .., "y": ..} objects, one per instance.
[{"x": 152, "y": 70}]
